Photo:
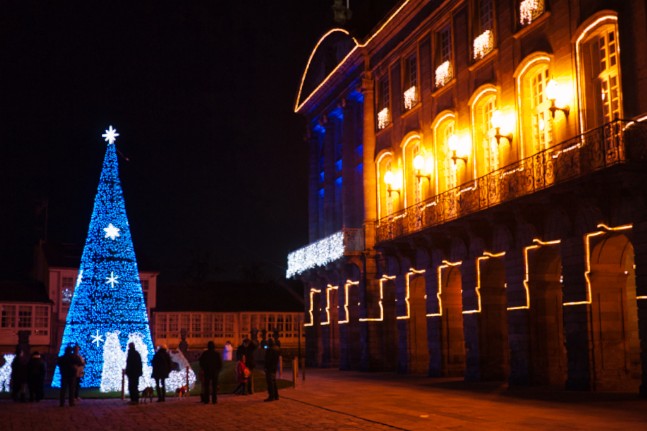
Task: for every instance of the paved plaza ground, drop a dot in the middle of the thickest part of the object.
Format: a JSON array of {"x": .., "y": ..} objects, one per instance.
[{"x": 349, "y": 401}]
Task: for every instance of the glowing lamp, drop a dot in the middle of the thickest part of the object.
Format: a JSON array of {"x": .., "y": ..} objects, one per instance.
[
  {"x": 459, "y": 151},
  {"x": 552, "y": 93},
  {"x": 497, "y": 123},
  {"x": 393, "y": 183},
  {"x": 422, "y": 167}
]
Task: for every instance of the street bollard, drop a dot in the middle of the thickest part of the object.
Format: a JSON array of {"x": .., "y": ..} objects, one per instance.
[
  {"x": 123, "y": 384},
  {"x": 295, "y": 371}
]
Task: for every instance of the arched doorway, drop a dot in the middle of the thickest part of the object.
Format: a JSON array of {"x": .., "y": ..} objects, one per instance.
[
  {"x": 614, "y": 316},
  {"x": 452, "y": 336},
  {"x": 417, "y": 326}
]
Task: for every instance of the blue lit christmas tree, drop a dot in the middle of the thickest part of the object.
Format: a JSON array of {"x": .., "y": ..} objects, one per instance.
[{"x": 108, "y": 297}]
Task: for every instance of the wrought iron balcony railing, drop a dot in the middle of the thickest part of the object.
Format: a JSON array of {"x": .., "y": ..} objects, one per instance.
[
  {"x": 325, "y": 251},
  {"x": 582, "y": 155}
]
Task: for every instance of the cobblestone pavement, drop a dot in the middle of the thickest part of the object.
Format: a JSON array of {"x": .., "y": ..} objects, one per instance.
[{"x": 348, "y": 401}]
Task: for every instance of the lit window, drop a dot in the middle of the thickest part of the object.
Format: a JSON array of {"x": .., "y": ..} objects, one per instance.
[
  {"x": 484, "y": 29},
  {"x": 444, "y": 71},
  {"x": 530, "y": 10}
]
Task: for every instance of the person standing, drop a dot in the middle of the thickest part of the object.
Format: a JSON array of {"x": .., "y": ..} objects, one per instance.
[
  {"x": 161, "y": 369},
  {"x": 250, "y": 351},
  {"x": 67, "y": 364},
  {"x": 80, "y": 371},
  {"x": 227, "y": 351},
  {"x": 19, "y": 375},
  {"x": 272, "y": 353},
  {"x": 133, "y": 372},
  {"x": 242, "y": 375},
  {"x": 210, "y": 365},
  {"x": 36, "y": 369}
]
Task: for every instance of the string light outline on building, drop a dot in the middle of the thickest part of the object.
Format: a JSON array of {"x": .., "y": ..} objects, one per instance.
[
  {"x": 313, "y": 291},
  {"x": 537, "y": 243},
  {"x": 445, "y": 264},
  {"x": 410, "y": 98},
  {"x": 79, "y": 278},
  {"x": 111, "y": 231},
  {"x": 381, "y": 282},
  {"x": 443, "y": 74},
  {"x": 298, "y": 106},
  {"x": 328, "y": 289},
  {"x": 347, "y": 285},
  {"x": 407, "y": 278},
  {"x": 587, "y": 258},
  {"x": 486, "y": 255}
]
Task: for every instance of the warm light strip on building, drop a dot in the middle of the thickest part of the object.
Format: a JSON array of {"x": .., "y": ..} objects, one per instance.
[
  {"x": 538, "y": 58},
  {"x": 445, "y": 264},
  {"x": 486, "y": 255},
  {"x": 587, "y": 249},
  {"x": 328, "y": 289},
  {"x": 578, "y": 59},
  {"x": 381, "y": 318},
  {"x": 407, "y": 277},
  {"x": 526, "y": 279},
  {"x": 347, "y": 285},
  {"x": 358, "y": 45},
  {"x": 312, "y": 294}
]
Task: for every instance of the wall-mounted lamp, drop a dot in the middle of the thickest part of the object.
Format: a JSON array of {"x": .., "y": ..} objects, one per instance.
[
  {"x": 421, "y": 165},
  {"x": 392, "y": 183},
  {"x": 552, "y": 92},
  {"x": 458, "y": 152},
  {"x": 497, "y": 123}
]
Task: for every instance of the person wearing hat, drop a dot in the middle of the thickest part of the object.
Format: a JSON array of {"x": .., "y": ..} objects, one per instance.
[
  {"x": 133, "y": 372},
  {"x": 161, "y": 369}
]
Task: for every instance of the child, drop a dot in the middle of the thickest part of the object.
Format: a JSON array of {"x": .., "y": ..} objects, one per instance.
[{"x": 242, "y": 376}]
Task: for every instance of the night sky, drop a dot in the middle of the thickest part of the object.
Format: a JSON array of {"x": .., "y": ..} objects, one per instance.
[{"x": 214, "y": 167}]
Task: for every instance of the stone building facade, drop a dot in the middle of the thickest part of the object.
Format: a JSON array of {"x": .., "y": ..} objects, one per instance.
[{"x": 477, "y": 201}]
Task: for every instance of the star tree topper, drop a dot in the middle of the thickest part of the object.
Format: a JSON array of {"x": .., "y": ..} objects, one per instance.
[
  {"x": 110, "y": 135},
  {"x": 111, "y": 231}
]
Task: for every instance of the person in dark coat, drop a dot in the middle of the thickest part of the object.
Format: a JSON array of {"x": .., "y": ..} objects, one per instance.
[
  {"x": 67, "y": 364},
  {"x": 272, "y": 353},
  {"x": 250, "y": 351},
  {"x": 80, "y": 371},
  {"x": 36, "y": 370},
  {"x": 133, "y": 372},
  {"x": 19, "y": 375},
  {"x": 210, "y": 365},
  {"x": 161, "y": 369}
]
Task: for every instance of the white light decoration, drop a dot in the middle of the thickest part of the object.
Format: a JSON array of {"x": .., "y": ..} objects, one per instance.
[
  {"x": 112, "y": 280},
  {"x": 483, "y": 44},
  {"x": 97, "y": 338},
  {"x": 111, "y": 232},
  {"x": 114, "y": 361},
  {"x": 443, "y": 74},
  {"x": 79, "y": 278},
  {"x": 316, "y": 254},
  {"x": 5, "y": 373},
  {"x": 529, "y": 10},
  {"x": 145, "y": 380},
  {"x": 110, "y": 135},
  {"x": 383, "y": 118},
  {"x": 410, "y": 97},
  {"x": 178, "y": 378}
]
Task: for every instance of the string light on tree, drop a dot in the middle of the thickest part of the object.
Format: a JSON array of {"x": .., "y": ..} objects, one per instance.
[{"x": 105, "y": 307}]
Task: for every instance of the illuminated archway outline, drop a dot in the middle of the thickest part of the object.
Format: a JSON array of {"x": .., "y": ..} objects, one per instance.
[
  {"x": 407, "y": 277},
  {"x": 313, "y": 291},
  {"x": 446, "y": 264},
  {"x": 328, "y": 289},
  {"x": 486, "y": 255},
  {"x": 587, "y": 250},
  {"x": 381, "y": 318},
  {"x": 347, "y": 285}
]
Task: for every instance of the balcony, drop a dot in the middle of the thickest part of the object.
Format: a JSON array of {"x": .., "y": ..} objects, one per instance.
[
  {"x": 325, "y": 251},
  {"x": 596, "y": 150}
]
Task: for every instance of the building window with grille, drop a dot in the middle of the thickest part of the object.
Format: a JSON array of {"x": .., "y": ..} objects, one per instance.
[
  {"x": 599, "y": 68},
  {"x": 410, "y": 82},
  {"x": 24, "y": 316},
  {"x": 67, "y": 291},
  {"x": 41, "y": 320},
  {"x": 535, "y": 118},
  {"x": 444, "y": 71},
  {"x": 196, "y": 325},
  {"x": 483, "y": 31},
  {"x": 173, "y": 326},
  {"x": 8, "y": 316},
  {"x": 160, "y": 326},
  {"x": 383, "y": 105}
]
